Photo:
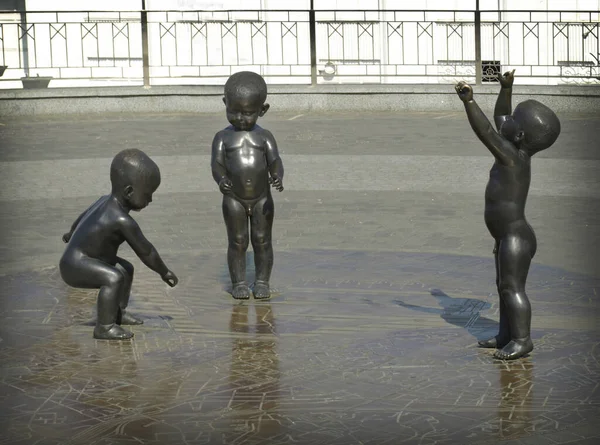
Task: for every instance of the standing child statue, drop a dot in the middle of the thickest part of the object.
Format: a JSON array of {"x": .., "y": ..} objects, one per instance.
[
  {"x": 90, "y": 260},
  {"x": 244, "y": 162},
  {"x": 531, "y": 128}
]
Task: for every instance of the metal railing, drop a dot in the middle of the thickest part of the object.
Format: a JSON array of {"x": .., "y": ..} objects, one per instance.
[{"x": 78, "y": 48}]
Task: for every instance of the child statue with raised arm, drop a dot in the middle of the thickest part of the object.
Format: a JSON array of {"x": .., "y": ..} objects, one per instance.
[{"x": 532, "y": 127}]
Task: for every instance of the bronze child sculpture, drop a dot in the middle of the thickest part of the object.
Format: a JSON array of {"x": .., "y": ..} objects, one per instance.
[
  {"x": 531, "y": 128},
  {"x": 90, "y": 260},
  {"x": 244, "y": 162}
]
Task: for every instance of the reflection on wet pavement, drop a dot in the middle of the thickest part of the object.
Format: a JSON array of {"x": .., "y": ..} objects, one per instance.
[
  {"x": 349, "y": 351},
  {"x": 514, "y": 412}
]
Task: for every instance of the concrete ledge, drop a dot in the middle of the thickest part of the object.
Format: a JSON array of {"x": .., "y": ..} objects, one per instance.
[{"x": 300, "y": 98}]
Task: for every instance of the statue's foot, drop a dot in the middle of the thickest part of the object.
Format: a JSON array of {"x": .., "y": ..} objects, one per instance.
[
  {"x": 497, "y": 342},
  {"x": 111, "y": 332},
  {"x": 515, "y": 349},
  {"x": 261, "y": 290},
  {"x": 125, "y": 318},
  {"x": 240, "y": 291}
]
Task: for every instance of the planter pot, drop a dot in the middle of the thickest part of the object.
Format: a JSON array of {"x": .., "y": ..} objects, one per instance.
[
  {"x": 2, "y": 69},
  {"x": 35, "y": 82}
]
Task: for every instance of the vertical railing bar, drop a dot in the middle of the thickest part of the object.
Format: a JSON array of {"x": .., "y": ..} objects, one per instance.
[
  {"x": 478, "y": 67},
  {"x": 51, "y": 46},
  {"x": 447, "y": 43},
  {"x": 432, "y": 44},
  {"x": 281, "y": 26},
  {"x": 523, "y": 27},
  {"x": 554, "y": 46},
  {"x": 313, "y": 43},
  {"x": 206, "y": 42},
  {"x": 145, "y": 52},
  {"x": 252, "y": 38},
  {"x": 81, "y": 27},
  {"x": 297, "y": 46},
  {"x": 251, "y": 24},
  {"x": 35, "y": 64},
  {"x": 508, "y": 41},
  {"x": 192, "y": 27},
  {"x": 388, "y": 36},
  {"x": 418, "y": 45},
  {"x": 373, "y": 47},
  {"x": 237, "y": 43},
  {"x": 403, "y": 48},
  {"x": 25, "y": 37},
  {"x": 553, "y": 38},
  {"x": 97, "y": 44},
  {"x": 113, "y": 26},
  {"x": 494, "y": 58},
  {"x": 538, "y": 38},
  {"x": 267, "y": 41},
  {"x": 387, "y": 43},
  {"x": 66, "y": 46},
  {"x": 222, "y": 54},
  {"x": 160, "y": 41},
  {"x": 568, "y": 43},
  {"x": 358, "y": 42},
  {"x": 192, "y": 41},
  {"x": 126, "y": 27},
  {"x": 66, "y": 52},
  {"x": 328, "y": 42},
  {"x": 176, "y": 46},
  {"x": 2, "y": 39},
  {"x": 583, "y": 42},
  {"x": 462, "y": 41},
  {"x": 343, "y": 41}
]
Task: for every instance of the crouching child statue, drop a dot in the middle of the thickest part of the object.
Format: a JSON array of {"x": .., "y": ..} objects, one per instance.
[{"x": 90, "y": 259}]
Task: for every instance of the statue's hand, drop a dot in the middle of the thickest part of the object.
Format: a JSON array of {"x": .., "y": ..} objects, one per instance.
[
  {"x": 170, "y": 278},
  {"x": 225, "y": 186},
  {"x": 507, "y": 79},
  {"x": 66, "y": 237},
  {"x": 276, "y": 182},
  {"x": 464, "y": 91}
]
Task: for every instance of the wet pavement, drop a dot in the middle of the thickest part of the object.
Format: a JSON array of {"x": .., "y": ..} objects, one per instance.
[{"x": 382, "y": 289}]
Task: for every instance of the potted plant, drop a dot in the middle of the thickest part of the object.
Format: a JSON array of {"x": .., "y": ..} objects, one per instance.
[{"x": 36, "y": 82}]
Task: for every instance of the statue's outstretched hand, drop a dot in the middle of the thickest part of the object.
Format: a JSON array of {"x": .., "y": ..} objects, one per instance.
[
  {"x": 507, "y": 79},
  {"x": 170, "y": 278},
  {"x": 464, "y": 91}
]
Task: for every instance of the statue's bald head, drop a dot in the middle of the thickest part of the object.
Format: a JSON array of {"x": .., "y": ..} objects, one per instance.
[
  {"x": 134, "y": 167},
  {"x": 539, "y": 123},
  {"x": 246, "y": 85}
]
